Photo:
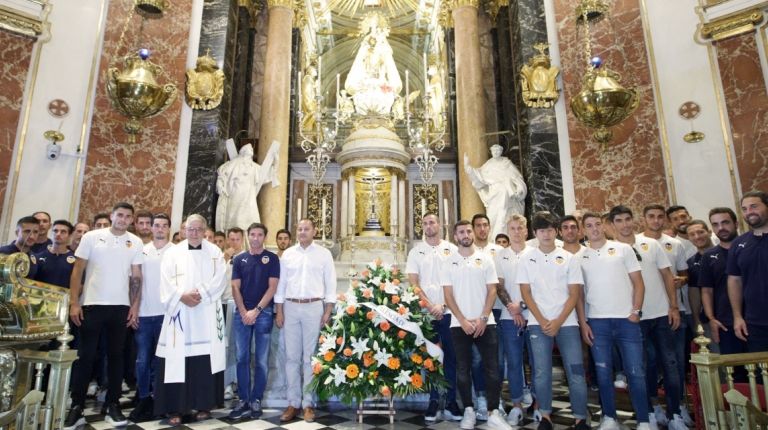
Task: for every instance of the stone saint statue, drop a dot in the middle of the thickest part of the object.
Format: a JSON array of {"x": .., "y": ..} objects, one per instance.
[
  {"x": 373, "y": 81},
  {"x": 308, "y": 97},
  {"x": 238, "y": 183},
  {"x": 501, "y": 188}
]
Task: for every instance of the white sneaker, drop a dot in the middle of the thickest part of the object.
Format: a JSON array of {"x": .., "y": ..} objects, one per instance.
[
  {"x": 652, "y": 423},
  {"x": 527, "y": 397},
  {"x": 482, "y": 408},
  {"x": 537, "y": 415},
  {"x": 644, "y": 426},
  {"x": 686, "y": 416},
  {"x": 93, "y": 387},
  {"x": 501, "y": 408},
  {"x": 496, "y": 421},
  {"x": 609, "y": 423},
  {"x": 621, "y": 381},
  {"x": 515, "y": 416},
  {"x": 677, "y": 423},
  {"x": 229, "y": 392},
  {"x": 660, "y": 415},
  {"x": 469, "y": 420},
  {"x": 125, "y": 388},
  {"x": 101, "y": 395}
]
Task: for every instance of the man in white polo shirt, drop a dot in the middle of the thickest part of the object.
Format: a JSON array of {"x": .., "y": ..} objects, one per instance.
[
  {"x": 425, "y": 261},
  {"x": 661, "y": 317},
  {"x": 550, "y": 282},
  {"x": 613, "y": 292},
  {"x": 111, "y": 259},
  {"x": 469, "y": 284}
]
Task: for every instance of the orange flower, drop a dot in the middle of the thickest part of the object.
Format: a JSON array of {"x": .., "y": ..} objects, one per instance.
[
  {"x": 373, "y": 375},
  {"x": 416, "y": 380},
  {"x": 416, "y": 358},
  {"x": 329, "y": 355},
  {"x": 378, "y": 262},
  {"x": 322, "y": 339},
  {"x": 423, "y": 303},
  {"x": 365, "y": 273},
  {"x": 352, "y": 371},
  {"x": 416, "y": 290},
  {"x": 402, "y": 310},
  {"x": 355, "y": 283},
  {"x": 395, "y": 282},
  {"x": 347, "y": 352},
  {"x": 351, "y": 310},
  {"x": 384, "y": 325},
  {"x": 401, "y": 334},
  {"x": 370, "y": 315},
  {"x": 395, "y": 299},
  {"x": 339, "y": 340},
  {"x": 429, "y": 364},
  {"x": 385, "y": 391},
  {"x": 368, "y": 359},
  {"x": 393, "y": 363},
  {"x": 382, "y": 286},
  {"x": 367, "y": 293},
  {"x": 317, "y": 368}
]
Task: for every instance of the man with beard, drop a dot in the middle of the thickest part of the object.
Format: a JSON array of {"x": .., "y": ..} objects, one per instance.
[
  {"x": 74, "y": 239},
  {"x": 27, "y": 229},
  {"x": 700, "y": 236},
  {"x": 283, "y": 240},
  {"x": 679, "y": 218},
  {"x": 42, "y": 236},
  {"x": 144, "y": 226},
  {"x": 54, "y": 264},
  {"x": 713, "y": 281},
  {"x": 748, "y": 274}
]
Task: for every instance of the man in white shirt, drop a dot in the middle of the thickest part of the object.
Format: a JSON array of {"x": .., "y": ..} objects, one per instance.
[
  {"x": 613, "y": 292},
  {"x": 550, "y": 282},
  {"x": 655, "y": 218},
  {"x": 469, "y": 284},
  {"x": 306, "y": 295},
  {"x": 512, "y": 317},
  {"x": 661, "y": 317},
  {"x": 423, "y": 266},
  {"x": 151, "y": 311},
  {"x": 111, "y": 259}
]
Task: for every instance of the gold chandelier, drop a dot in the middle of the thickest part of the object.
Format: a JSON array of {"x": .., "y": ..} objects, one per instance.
[
  {"x": 603, "y": 102},
  {"x": 134, "y": 90}
]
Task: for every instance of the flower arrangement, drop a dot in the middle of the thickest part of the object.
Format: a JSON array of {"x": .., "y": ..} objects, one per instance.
[{"x": 377, "y": 343}]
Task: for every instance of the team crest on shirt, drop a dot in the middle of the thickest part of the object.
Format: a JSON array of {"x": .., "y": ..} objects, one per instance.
[
  {"x": 668, "y": 247},
  {"x": 611, "y": 251},
  {"x": 644, "y": 247},
  {"x": 128, "y": 243},
  {"x": 478, "y": 262},
  {"x": 446, "y": 252},
  {"x": 33, "y": 259},
  {"x": 71, "y": 259},
  {"x": 265, "y": 259},
  {"x": 559, "y": 260},
  {"x": 493, "y": 252}
]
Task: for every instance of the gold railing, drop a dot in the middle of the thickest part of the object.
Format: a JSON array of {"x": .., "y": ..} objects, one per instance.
[{"x": 743, "y": 412}]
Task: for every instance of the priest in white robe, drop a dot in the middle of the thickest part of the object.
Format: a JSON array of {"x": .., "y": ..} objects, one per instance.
[{"x": 190, "y": 377}]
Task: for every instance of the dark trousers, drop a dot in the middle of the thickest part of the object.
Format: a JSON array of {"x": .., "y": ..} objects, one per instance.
[
  {"x": 97, "y": 320},
  {"x": 488, "y": 345},
  {"x": 757, "y": 341}
]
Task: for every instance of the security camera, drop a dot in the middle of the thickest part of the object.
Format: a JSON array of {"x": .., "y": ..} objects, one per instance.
[{"x": 53, "y": 151}]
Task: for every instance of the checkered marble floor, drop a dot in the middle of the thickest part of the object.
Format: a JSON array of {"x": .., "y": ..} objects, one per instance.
[{"x": 337, "y": 416}]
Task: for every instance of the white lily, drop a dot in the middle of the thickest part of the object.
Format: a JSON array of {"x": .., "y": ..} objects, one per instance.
[
  {"x": 404, "y": 378},
  {"x": 382, "y": 356},
  {"x": 327, "y": 345},
  {"x": 360, "y": 347},
  {"x": 408, "y": 297},
  {"x": 391, "y": 288},
  {"x": 339, "y": 375}
]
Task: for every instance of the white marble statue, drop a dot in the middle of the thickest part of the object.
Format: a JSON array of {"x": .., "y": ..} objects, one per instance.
[
  {"x": 373, "y": 81},
  {"x": 501, "y": 188},
  {"x": 238, "y": 184}
]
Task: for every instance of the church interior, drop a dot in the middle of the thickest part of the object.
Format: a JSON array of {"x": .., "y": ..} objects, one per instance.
[{"x": 364, "y": 115}]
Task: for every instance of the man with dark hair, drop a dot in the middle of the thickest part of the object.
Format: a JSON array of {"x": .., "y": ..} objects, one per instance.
[
  {"x": 235, "y": 243},
  {"x": 748, "y": 274},
  {"x": 42, "y": 236},
  {"x": 220, "y": 239},
  {"x": 143, "y": 225},
  {"x": 661, "y": 316},
  {"x": 423, "y": 266},
  {"x": 111, "y": 260},
  {"x": 570, "y": 231},
  {"x": 469, "y": 284},
  {"x": 55, "y": 263},
  {"x": 151, "y": 311},
  {"x": 699, "y": 235},
  {"x": 101, "y": 220},
  {"x": 74, "y": 239},
  {"x": 283, "y": 240},
  {"x": 713, "y": 281},
  {"x": 502, "y": 240},
  {"x": 27, "y": 229},
  {"x": 613, "y": 292},
  {"x": 255, "y": 274},
  {"x": 306, "y": 295},
  {"x": 550, "y": 281}
]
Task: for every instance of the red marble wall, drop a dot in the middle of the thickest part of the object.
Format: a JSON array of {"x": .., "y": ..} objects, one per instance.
[
  {"x": 747, "y": 102},
  {"x": 142, "y": 172},
  {"x": 15, "y": 58},
  {"x": 630, "y": 171}
]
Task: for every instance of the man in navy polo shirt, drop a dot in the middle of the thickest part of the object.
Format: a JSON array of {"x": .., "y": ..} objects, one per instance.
[
  {"x": 55, "y": 263},
  {"x": 254, "y": 282},
  {"x": 43, "y": 241},
  {"x": 27, "y": 229},
  {"x": 748, "y": 274}
]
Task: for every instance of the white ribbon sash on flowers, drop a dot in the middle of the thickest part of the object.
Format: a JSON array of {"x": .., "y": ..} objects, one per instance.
[{"x": 409, "y": 326}]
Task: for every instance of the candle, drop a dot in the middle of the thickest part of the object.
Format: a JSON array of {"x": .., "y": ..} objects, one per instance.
[
  {"x": 298, "y": 92},
  {"x": 298, "y": 210},
  {"x": 322, "y": 215},
  {"x": 319, "y": 71},
  {"x": 445, "y": 210},
  {"x": 338, "y": 79},
  {"x": 406, "y": 90},
  {"x": 426, "y": 78},
  {"x": 423, "y": 207}
]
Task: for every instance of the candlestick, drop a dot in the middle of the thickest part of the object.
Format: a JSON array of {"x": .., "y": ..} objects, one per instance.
[{"x": 323, "y": 216}]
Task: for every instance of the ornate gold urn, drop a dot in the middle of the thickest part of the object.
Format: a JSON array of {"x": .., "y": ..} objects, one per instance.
[{"x": 135, "y": 93}]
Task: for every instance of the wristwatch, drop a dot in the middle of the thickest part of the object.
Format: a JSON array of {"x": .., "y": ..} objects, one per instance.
[
  {"x": 523, "y": 306},
  {"x": 484, "y": 318},
  {"x": 638, "y": 312},
  {"x": 259, "y": 308}
]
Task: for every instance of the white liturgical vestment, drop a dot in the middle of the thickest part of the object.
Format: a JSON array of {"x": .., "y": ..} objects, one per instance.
[{"x": 192, "y": 331}]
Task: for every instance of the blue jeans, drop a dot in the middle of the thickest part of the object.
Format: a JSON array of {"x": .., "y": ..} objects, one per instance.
[
  {"x": 569, "y": 344},
  {"x": 260, "y": 332},
  {"x": 659, "y": 337},
  {"x": 443, "y": 330},
  {"x": 627, "y": 336},
  {"x": 146, "y": 339},
  {"x": 512, "y": 339}
]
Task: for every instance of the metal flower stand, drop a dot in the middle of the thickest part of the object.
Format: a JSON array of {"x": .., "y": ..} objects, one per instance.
[{"x": 384, "y": 406}]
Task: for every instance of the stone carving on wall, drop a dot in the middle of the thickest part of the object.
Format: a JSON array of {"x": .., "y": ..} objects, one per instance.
[
  {"x": 501, "y": 188},
  {"x": 538, "y": 80},
  {"x": 205, "y": 84}
]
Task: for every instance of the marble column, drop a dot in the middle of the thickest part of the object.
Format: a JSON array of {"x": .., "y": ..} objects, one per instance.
[
  {"x": 275, "y": 110},
  {"x": 470, "y": 110},
  {"x": 393, "y": 209},
  {"x": 352, "y": 210}
]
